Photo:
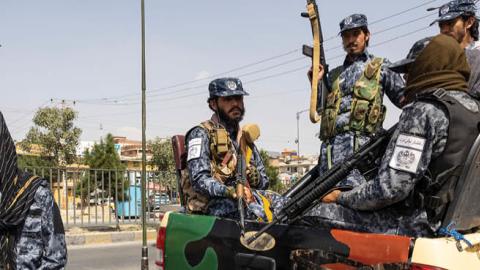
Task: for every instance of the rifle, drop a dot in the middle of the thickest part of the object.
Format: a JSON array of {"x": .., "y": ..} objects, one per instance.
[
  {"x": 240, "y": 190},
  {"x": 317, "y": 54},
  {"x": 311, "y": 193},
  {"x": 302, "y": 182}
]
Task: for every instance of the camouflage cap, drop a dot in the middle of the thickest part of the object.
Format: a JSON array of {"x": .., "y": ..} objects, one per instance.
[
  {"x": 417, "y": 48},
  {"x": 455, "y": 9},
  {"x": 353, "y": 21},
  {"x": 224, "y": 87}
]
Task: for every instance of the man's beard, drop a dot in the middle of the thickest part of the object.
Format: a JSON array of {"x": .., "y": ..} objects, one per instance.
[{"x": 227, "y": 120}]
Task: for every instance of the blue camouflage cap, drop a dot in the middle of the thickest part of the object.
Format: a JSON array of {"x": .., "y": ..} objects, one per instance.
[
  {"x": 353, "y": 21},
  {"x": 455, "y": 9},
  {"x": 403, "y": 65},
  {"x": 224, "y": 87}
]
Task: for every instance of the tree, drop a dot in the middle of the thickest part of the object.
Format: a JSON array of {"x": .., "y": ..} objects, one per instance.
[
  {"x": 107, "y": 173},
  {"x": 163, "y": 160},
  {"x": 25, "y": 161},
  {"x": 272, "y": 173},
  {"x": 162, "y": 154},
  {"x": 55, "y": 133}
]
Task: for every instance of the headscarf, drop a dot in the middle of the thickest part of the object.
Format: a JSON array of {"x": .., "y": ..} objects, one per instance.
[
  {"x": 17, "y": 195},
  {"x": 442, "y": 64}
]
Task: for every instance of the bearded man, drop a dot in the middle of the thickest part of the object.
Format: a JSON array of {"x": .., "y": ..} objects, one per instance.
[{"x": 214, "y": 148}]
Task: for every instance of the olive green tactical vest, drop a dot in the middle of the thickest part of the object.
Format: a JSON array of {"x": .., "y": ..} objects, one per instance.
[
  {"x": 223, "y": 164},
  {"x": 367, "y": 111}
]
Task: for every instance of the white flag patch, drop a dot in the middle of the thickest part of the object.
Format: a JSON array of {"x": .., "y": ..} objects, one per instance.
[
  {"x": 407, "y": 153},
  {"x": 194, "y": 148}
]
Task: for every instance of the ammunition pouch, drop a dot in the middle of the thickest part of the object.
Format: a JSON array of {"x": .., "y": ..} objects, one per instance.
[
  {"x": 222, "y": 165},
  {"x": 367, "y": 110}
]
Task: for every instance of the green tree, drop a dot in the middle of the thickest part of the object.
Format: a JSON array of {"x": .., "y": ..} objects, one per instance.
[
  {"x": 162, "y": 154},
  {"x": 25, "y": 161},
  {"x": 55, "y": 133},
  {"x": 272, "y": 173},
  {"x": 163, "y": 160},
  {"x": 106, "y": 176}
]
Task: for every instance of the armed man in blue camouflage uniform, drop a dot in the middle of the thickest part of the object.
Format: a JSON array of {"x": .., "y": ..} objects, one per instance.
[
  {"x": 425, "y": 156},
  {"x": 458, "y": 19},
  {"x": 31, "y": 230},
  {"x": 213, "y": 148},
  {"x": 354, "y": 108}
]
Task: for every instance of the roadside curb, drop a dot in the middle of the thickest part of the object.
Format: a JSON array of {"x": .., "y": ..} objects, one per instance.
[{"x": 96, "y": 238}]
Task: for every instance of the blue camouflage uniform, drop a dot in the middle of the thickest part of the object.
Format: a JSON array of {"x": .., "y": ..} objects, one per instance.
[
  {"x": 366, "y": 207},
  {"x": 31, "y": 230},
  {"x": 343, "y": 144},
  {"x": 39, "y": 245},
  {"x": 203, "y": 182},
  {"x": 199, "y": 163},
  {"x": 387, "y": 203},
  {"x": 455, "y": 9}
]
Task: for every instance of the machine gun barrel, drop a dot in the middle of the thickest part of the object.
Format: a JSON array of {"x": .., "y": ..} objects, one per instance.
[{"x": 310, "y": 193}]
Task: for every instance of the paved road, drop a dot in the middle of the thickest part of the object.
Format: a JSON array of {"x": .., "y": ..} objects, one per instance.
[{"x": 120, "y": 256}]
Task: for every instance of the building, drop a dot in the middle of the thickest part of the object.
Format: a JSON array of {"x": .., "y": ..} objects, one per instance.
[
  {"x": 291, "y": 167},
  {"x": 130, "y": 152}
]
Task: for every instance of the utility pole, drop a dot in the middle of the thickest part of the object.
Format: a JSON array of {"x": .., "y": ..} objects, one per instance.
[
  {"x": 298, "y": 132},
  {"x": 144, "y": 262}
]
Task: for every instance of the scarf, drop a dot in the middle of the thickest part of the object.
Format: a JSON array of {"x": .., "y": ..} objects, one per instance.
[
  {"x": 17, "y": 195},
  {"x": 442, "y": 64}
]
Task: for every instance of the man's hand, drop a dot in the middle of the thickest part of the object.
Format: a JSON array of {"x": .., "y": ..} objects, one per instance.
[
  {"x": 321, "y": 72},
  {"x": 331, "y": 197},
  {"x": 231, "y": 193},
  {"x": 248, "y": 196}
]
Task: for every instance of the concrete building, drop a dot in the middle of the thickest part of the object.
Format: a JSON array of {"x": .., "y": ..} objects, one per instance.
[{"x": 291, "y": 167}]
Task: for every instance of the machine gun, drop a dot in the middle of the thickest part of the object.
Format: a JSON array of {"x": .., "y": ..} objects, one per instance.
[{"x": 310, "y": 193}]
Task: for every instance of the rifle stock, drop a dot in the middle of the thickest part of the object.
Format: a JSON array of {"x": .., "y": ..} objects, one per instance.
[{"x": 310, "y": 192}]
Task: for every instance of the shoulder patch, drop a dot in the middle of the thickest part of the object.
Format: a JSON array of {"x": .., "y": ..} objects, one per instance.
[
  {"x": 407, "y": 153},
  {"x": 194, "y": 148}
]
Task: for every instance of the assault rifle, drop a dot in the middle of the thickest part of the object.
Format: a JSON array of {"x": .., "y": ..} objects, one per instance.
[
  {"x": 317, "y": 53},
  {"x": 241, "y": 179},
  {"x": 311, "y": 192}
]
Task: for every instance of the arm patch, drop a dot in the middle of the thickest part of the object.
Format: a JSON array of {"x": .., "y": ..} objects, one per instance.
[
  {"x": 194, "y": 148},
  {"x": 407, "y": 153}
]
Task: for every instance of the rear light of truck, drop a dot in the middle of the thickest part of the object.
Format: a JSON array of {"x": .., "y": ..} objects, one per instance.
[
  {"x": 417, "y": 266},
  {"x": 160, "y": 259}
]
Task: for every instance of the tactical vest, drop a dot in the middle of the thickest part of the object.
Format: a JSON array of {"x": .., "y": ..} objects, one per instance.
[
  {"x": 367, "y": 111},
  {"x": 436, "y": 190},
  {"x": 223, "y": 161}
]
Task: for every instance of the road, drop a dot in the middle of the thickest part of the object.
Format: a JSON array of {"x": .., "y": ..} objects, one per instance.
[{"x": 119, "y": 256}]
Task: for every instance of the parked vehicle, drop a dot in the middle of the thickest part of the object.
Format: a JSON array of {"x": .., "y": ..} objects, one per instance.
[
  {"x": 133, "y": 206},
  {"x": 156, "y": 200}
]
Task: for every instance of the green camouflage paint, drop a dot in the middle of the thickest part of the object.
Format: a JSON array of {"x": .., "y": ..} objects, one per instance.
[{"x": 181, "y": 230}]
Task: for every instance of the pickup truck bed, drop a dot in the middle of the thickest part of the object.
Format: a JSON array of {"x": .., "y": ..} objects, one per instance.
[{"x": 206, "y": 242}]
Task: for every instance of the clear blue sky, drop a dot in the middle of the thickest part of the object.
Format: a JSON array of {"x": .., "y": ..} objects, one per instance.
[{"x": 89, "y": 51}]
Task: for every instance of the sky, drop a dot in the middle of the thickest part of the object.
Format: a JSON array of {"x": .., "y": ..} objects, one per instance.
[{"x": 87, "y": 55}]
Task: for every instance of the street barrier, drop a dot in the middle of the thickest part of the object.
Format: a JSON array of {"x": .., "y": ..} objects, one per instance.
[{"x": 103, "y": 197}]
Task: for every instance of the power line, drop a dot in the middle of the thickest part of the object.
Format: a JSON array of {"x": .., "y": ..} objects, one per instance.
[
  {"x": 105, "y": 100},
  {"x": 214, "y": 75},
  {"x": 401, "y": 36},
  {"x": 299, "y": 68},
  {"x": 240, "y": 75},
  {"x": 390, "y": 16},
  {"x": 17, "y": 122}
]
